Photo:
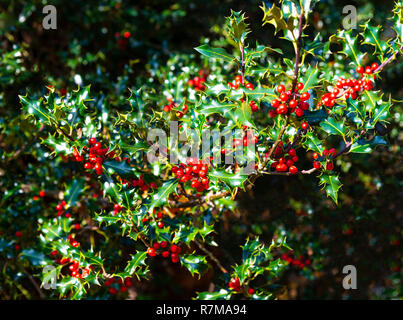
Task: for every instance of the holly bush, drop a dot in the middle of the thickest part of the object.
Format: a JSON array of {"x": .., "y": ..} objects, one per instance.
[{"x": 115, "y": 195}]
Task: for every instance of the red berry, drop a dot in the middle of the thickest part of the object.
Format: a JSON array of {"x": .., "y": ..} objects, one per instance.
[
  {"x": 329, "y": 166},
  {"x": 165, "y": 254},
  {"x": 374, "y": 66},
  {"x": 42, "y": 193},
  {"x": 315, "y": 155},
  {"x": 305, "y": 96},
  {"x": 275, "y": 103},
  {"x": 18, "y": 234},
  {"x": 163, "y": 244},
  {"x": 359, "y": 69},
  {"x": 284, "y": 97},
  {"x": 280, "y": 88},
  {"x": 317, "y": 165},
  {"x": 59, "y": 207},
  {"x": 300, "y": 86},
  {"x": 293, "y": 169},
  {"x": 160, "y": 224},
  {"x": 293, "y": 103},
  {"x": 251, "y": 291},
  {"x": 151, "y": 252},
  {"x": 156, "y": 246},
  {"x": 282, "y": 109},
  {"x": 174, "y": 248},
  {"x": 304, "y": 125}
]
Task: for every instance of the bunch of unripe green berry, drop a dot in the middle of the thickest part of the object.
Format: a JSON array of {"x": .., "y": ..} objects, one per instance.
[
  {"x": 290, "y": 102},
  {"x": 162, "y": 248}
]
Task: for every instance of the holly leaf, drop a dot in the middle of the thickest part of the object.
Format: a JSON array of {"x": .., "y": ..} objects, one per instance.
[
  {"x": 312, "y": 142},
  {"x": 217, "y": 53},
  {"x": 137, "y": 262},
  {"x": 332, "y": 126},
  {"x": 231, "y": 179},
  {"x": 73, "y": 191},
  {"x": 163, "y": 193},
  {"x": 122, "y": 168},
  {"x": 331, "y": 184},
  {"x": 195, "y": 264},
  {"x": 363, "y": 146}
]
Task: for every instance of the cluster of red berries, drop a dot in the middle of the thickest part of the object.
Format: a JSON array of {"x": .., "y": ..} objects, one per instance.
[
  {"x": 247, "y": 138},
  {"x": 96, "y": 155},
  {"x": 158, "y": 216},
  {"x": 327, "y": 154},
  {"x": 195, "y": 172},
  {"x": 198, "y": 81},
  {"x": 122, "y": 41},
  {"x": 60, "y": 209},
  {"x": 290, "y": 102},
  {"x": 122, "y": 285},
  {"x": 172, "y": 106},
  {"x": 42, "y": 194},
  {"x": 162, "y": 247},
  {"x": 116, "y": 209},
  {"x": 285, "y": 160},
  {"x": 238, "y": 81},
  {"x": 74, "y": 266},
  {"x": 18, "y": 234},
  {"x": 138, "y": 183},
  {"x": 72, "y": 241},
  {"x": 235, "y": 284},
  {"x": 350, "y": 88},
  {"x": 300, "y": 262}
]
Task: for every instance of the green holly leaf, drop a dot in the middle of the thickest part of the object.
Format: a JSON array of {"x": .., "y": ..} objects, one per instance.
[
  {"x": 217, "y": 53},
  {"x": 310, "y": 77},
  {"x": 35, "y": 257},
  {"x": 74, "y": 190},
  {"x": 195, "y": 264},
  {"x": 137, "y": 262},
  {"x": 363, "y": 146},
  {"x": 36, "y": 109},
  {"x": 372, "y": 36},
  {"x": 160, "y": 197},
  {"x": 122, "y": 168},
  {"x": 331, "y": 184},
  {"x": 274, "y": 16},
  {"x": 316, "y": 116},
  {"x": 231, "y": 179},
  {"x": 236, "y": 26},
  {"x": 223, "y": 294},
  {"x": 332, "y": 126},
  {"x": 312, "y": 142},
  {"x": 215, "y": 107}
]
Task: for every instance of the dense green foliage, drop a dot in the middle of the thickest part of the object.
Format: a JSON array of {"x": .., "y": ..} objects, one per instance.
[{"x": 115, "y": 224}]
